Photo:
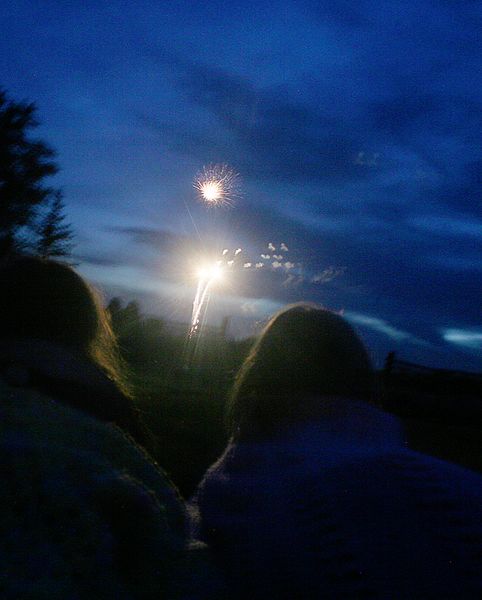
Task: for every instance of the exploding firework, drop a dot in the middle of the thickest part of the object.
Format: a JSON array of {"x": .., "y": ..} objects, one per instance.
[
  {"x": 217, "y": 185},
  {"x": 207, "y": 276}
]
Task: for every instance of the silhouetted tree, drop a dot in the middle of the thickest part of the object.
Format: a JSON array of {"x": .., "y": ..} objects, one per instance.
[
  {"x": 25, "y": 162},
  {"x": 132, "y": 314},
  {"x": 126, "y": 321},
  {"x": 114, "y": 308},
  {"x": 55, "y": 236}
]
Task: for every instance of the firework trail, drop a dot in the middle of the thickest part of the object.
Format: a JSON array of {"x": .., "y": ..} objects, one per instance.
[
  {"x": 197, "y": 307},
  {"x": 206, "y": 277}
]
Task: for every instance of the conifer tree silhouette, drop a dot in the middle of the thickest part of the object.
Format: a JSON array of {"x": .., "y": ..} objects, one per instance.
[
  {"x": 25, "y": 164},
  {"x": 55, "y": 236}
]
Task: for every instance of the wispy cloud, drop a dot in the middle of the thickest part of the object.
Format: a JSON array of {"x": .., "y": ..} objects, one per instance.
[
  {"x": 467, "y": 338},
  {"x": 448, "y": 226},
  {"x": 265, "y": 134},
  {"x": 328, "y": 274},
  {"x": 155, "y": 238},
  {"x": 458, "y": 264},
  {"x": 382, "y": 326}
]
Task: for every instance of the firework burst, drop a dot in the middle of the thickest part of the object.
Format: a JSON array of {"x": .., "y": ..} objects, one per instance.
[{"x": 217, "y": 185}]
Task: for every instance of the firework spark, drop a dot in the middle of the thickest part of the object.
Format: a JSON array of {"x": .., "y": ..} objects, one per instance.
[{"x": 217, "y": 185}]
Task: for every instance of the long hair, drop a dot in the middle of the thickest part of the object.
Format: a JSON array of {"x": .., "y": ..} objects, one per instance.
[
  {"x": 304, "y": 352},
  {"x": 47, "y": 300}
]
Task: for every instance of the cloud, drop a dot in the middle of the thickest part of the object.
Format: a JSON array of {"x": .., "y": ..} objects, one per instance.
[
  {"x": 382, "y": 326},
  {"x": 448, "y": 226},
  {"x": 471, "y": 339},
  {"x": 97, "y": 259},
  {"x": 460, "y": 193},
  {"x": 340, "y": 12},
  {"x": 264, "y": 133},
  {"x": 458, "y": 264},
  {"x": 398, "y": 113},
  {"x": 368, "y": 160},
  {"x": 159, "y": 239},
  {"x": 293, "y": 281},
  {"x": 327, "y": 275}
]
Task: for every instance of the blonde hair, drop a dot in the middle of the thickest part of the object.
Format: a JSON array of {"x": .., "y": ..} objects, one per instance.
[
  {"x": 303, "y": 351},
  {"x": 46, "y": 299}
]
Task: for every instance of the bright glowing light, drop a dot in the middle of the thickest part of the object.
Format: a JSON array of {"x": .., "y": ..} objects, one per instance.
[
  {"x": 207, "y": 276},
  {"x": 211, "y": 191},
  {"x": 211, "y": 272},
  {"x": 217, "y": 184}
]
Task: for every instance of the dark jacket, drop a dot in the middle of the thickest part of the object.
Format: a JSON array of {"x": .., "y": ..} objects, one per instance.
[
  {"x": 85, "y": 512},
  {"x": 340, "y": 508}
]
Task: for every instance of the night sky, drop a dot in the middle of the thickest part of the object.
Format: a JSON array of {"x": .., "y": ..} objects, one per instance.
[{"x": 355, "y": 128}]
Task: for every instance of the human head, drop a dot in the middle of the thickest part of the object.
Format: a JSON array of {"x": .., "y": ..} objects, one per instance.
[
  {"x": 303, "y": 352},
  {"x": 47, "y": 300}
]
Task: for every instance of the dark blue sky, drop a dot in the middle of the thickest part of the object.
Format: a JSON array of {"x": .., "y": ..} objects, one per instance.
[{"x": 355, "y": 127}]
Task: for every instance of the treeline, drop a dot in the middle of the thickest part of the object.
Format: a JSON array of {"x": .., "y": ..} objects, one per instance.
[
  {"x": 151, "y": 347},
  {"x": 32, "y": 219}
]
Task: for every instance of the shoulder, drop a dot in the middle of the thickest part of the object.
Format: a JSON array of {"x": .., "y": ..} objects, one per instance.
[
  {"x": 91, "y": 508},
  {"x": 242, "y": 485}
]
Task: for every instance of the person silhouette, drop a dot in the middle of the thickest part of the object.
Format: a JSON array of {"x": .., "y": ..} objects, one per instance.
[
  {"x": 55, "y": 336},
  {"x": 317, "y": 494},
  {"x": 86, "y": 512}
]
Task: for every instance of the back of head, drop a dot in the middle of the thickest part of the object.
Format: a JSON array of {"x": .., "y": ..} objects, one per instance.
[
  {"x": 47, "y": 300},
  {"x": 303, "y": 352}
]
